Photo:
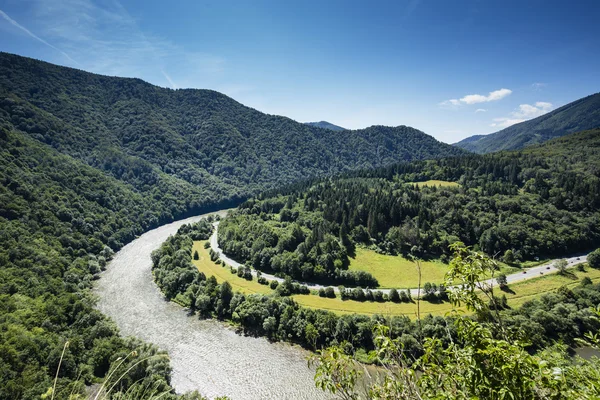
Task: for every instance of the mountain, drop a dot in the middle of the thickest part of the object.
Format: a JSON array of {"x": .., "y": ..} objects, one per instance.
[
  {"x": 140, "y": 133},
  {"x": 579, "y": 115},
  {"x": 540, "y": 202},
  {"x": 88, "y": 162},
  {"x": 326, "y": 125}
]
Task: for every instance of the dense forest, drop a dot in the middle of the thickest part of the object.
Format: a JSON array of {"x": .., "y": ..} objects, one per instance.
[
  {"x": 542, "y": 321},
  {"x": 60, "y": 223},
  {"x": 143, "y": 134},
  {"x": 576, "y": 116},
  {"x": 88, "y": 162},
  {"x": 542, "y": 202}
]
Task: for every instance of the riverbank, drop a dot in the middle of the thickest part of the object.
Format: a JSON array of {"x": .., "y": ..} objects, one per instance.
[{"x": 205, "y": 354}]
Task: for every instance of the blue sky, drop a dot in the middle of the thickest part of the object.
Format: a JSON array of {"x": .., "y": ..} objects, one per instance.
[{"x": 452, "y": 68}]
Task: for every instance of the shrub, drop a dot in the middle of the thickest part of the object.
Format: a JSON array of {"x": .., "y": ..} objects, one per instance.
[
  {"x": 329, "y": 292},
  {"x": 593, "y": 259}
]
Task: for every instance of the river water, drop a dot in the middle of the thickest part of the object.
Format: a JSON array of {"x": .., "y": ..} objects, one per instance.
[{"x": 205, "y": 355}]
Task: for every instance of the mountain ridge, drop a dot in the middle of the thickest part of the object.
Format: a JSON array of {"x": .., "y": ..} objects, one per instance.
[
  {"x": 579, "y": 115},
  {"x": 326, "y": 125}
]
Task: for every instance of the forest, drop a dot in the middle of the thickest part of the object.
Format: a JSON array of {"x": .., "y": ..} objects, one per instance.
[
  {"x": 89, "y": 162},
  {"x": 563, "y": 316},
  {"x": 537, "y": 203}
]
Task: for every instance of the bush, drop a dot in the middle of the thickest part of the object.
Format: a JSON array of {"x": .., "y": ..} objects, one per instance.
[
  {"x": 321, "y": 292},
  {"x": 394, "y": 296},
  {"x": 329, "y": 292},
  {"x": 273, "y": 285},
  {"x": 593, "y": 259},
  {"x": 206, "y": 245},
  {"x": 405, "y": 296},
  {"x": 262, "y": 280}
]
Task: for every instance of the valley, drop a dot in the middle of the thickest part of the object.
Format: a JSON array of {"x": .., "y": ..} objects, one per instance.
[
  {"x": 201, "y": 352},
  {"x": 155, "y": 242}
]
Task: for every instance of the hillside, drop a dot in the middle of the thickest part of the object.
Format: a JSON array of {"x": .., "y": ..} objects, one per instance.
[
  {"x": 127, "y": 127},
  {"x": 326, "y": 125},
  {"x": 579, "y": 115},
  {"x": 542, "y": 202},
  {"x": 89, "y": 162}
]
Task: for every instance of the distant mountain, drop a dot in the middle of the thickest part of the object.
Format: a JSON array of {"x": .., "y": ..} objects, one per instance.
[
  {"x": 579, "y": 115},
  {"x": 326, "y": 125}
]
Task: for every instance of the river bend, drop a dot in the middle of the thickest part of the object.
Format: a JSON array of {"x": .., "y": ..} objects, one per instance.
[{"x": 205, "y": 354}]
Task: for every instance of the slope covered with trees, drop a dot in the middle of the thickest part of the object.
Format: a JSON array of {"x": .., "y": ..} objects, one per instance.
[
  {"x": 88, "y": 162},
  {"x": 542, "y": 202},
  {"x": 577, "y": 116},
  {"x": 139, "y": 133}
]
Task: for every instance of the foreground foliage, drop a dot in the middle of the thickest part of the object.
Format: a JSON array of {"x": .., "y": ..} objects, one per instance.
[{"x": 477, "y": 360}]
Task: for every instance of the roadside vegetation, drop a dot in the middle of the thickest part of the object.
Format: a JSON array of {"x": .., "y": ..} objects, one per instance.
[
  {"x": 281, "y": 316},
  {"x": 475, "y": 357}
]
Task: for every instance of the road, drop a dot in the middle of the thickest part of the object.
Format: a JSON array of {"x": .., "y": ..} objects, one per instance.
[{"x": 530, "y": 273}]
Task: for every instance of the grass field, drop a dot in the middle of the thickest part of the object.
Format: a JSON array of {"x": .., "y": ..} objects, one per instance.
[
  {"x": 527, "y": 290},
  {"x": 434, "y": 182},
  {"x": 398, "y": 272},
  {"x": 523, "y": 291},
  {"x": 204, "y": 264}
]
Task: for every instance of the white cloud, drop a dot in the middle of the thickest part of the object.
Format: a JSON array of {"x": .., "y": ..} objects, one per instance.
[
  {"x": 31, "y": 34},
  {"x": 480, "y": 110},
  {"x": 538, "y": 85},
  {"x": 478, "y": 98},
  {"x": 107, "y": 40},
  {"x": 523, "y": 113}
]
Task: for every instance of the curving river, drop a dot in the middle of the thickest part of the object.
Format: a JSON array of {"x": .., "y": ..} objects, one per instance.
[{"x": 205, "y": 354}]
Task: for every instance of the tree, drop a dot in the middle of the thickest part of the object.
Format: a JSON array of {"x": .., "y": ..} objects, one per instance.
[
  {"x": 196, "y": 255},
  {"x": 509, "y": 257},
  {"x": 502, "y": 281},
  {"x": 561, "y": 265},
  {"x": 593, "y": 258},
  {"x": 394, "y": 296},
  {"x": 329, "y": 292}
]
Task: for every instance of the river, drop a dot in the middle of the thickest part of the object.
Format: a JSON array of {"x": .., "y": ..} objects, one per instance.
[{"x": 205, "y": 355}]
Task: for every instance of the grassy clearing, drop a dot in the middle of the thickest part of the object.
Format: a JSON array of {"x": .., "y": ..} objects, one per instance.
[
  {"x": 523, "y": 291},
  {"x": 400, "y": 273},
  {"x": 223, "y": 274},
  {"x": 388, "y": 308},
  {"x": 527, "y": 290},
  {"x": 434, "y": 182}
]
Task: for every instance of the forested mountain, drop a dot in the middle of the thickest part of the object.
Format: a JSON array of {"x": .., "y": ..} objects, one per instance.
[
  {"x": 326, "y": 125},
  {"x": 537, "y": 203},
  {"x": 577, "y": 116},
  {"x": 88, "y": 162},
  {"x": 139, "y": 133}
]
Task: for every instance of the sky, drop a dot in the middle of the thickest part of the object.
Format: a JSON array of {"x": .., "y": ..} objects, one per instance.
[{"x": 451, "y": 68}]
